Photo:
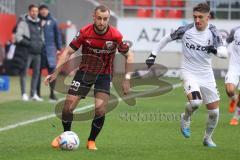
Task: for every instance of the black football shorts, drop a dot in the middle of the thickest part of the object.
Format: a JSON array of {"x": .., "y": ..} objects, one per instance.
[{"x": 83, "y": 81}]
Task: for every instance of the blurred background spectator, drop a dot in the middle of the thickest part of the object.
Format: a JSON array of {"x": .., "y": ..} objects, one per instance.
[
  {"x": 29, "y": 46},
  {"x": 53, "y": 46}
]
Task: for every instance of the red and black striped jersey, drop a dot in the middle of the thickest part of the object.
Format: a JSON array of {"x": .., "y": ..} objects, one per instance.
[{"x": 98, "y": 50}]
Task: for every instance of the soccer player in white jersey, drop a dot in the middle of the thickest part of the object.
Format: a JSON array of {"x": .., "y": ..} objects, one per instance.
[
  {"x": 233, "y": 75},
  {"x": 200, "y": 41}
]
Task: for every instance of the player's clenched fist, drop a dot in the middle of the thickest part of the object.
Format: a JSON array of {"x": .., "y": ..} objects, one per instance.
[{"x": 50, "y": 78}]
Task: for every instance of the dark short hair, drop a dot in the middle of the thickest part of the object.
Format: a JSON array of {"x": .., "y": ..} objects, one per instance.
[
  {"x": 32, "y": 6},
  {"x": 43, "y": 6},
  {"x": 102, "y": 8},
  {"x": 202, "y": 7}
]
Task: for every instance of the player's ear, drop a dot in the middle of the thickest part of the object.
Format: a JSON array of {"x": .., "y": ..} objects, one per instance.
[{"x": 208, "y": 16}]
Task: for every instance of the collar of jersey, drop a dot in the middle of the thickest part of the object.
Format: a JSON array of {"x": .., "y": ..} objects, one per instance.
[
  {"x": 98, "y": 33},
  {"x": 201, "y": 31}
]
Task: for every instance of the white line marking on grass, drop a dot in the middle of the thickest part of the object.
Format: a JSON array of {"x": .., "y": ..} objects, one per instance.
[
  {"x": 77, "y": 110},
  {"x": 39, "y": 119},
  {"x": 26, "y": 122}
]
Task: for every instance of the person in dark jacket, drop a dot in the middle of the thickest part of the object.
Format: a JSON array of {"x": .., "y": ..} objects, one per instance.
[
  {"x": 29, "y": 46},
  {"x": 18, "y": 62},
  {"x": 53, "y": 44}
]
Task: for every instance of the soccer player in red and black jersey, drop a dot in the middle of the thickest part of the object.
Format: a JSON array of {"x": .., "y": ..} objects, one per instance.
[{"x": 99, "y": 42}]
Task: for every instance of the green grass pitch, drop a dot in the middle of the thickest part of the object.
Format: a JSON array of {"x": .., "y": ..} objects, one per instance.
[{"x": 128, "y": 133}]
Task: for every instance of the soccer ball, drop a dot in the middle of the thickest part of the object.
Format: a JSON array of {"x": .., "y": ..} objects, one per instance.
[{"x": 69, "y": 140}]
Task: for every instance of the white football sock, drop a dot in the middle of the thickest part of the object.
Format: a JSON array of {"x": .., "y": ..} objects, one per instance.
[
  {"x": 213, "y": 116},
  {"x": 237, "y": 113}
]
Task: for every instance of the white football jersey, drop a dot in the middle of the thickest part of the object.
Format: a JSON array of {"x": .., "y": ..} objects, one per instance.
[
  {"x": 194, "y": 43},
  {"x": 234, "y": 62}
]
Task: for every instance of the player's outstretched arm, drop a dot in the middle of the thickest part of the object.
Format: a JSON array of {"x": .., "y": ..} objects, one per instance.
[
  {"x": 128, "y": 70},
  {"x": 64, "y": 57},
  {"x": 163, "y": 42}
]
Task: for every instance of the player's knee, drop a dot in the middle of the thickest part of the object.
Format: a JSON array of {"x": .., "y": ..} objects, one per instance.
[
  {"x": 100, "y": 107},
  {"x": 230, "y": 92},
  {"x": 196, "y": 103},
  {"x": 230, "y": 89},
  {"x": 67, "y": 109},
  {"x": 70, "y": 104}
]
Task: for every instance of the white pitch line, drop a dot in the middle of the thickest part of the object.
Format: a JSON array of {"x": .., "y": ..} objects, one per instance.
[
  {"x": 12, "y": 126},
  {"x": 26, "y": 122}
]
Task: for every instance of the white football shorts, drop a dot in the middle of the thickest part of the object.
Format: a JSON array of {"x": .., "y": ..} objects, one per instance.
[{"x": 205, "y": 84}]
